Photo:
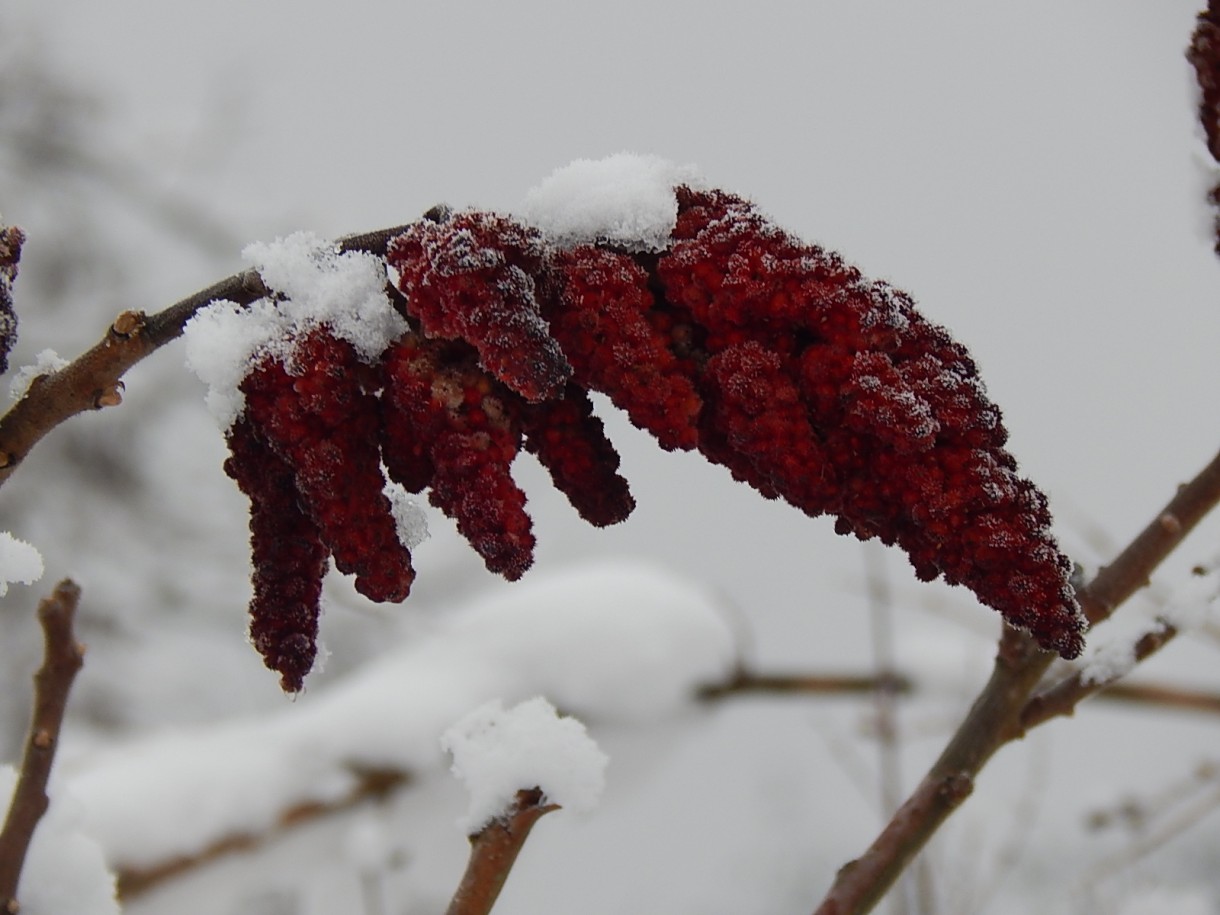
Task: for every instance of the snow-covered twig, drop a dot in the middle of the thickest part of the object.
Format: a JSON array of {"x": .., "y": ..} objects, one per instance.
[
  {"x": 62, "y": 659},
  {"x": 493, "y": 851},
  {"x": 996, "y": 717},
  {"x": 369, "y": 785},
  {"x": 1063, "y": 697},
  {"x": 94, "y": 379}
]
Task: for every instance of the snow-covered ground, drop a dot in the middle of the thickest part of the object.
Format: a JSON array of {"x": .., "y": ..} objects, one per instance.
[{"x": 1029, "y": 173}]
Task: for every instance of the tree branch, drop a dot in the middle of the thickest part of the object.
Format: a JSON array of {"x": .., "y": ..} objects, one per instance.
[
  {"x": 63, "y": 657},
  {"x": 493, "y": 850},
  {"x": 372, "y": 785},
  {"x": 94, "y": 379},
  {"x": 997, "y": 714},
  {"x": 1062, "y": 698},
  {"x": 746, "y": 681}
]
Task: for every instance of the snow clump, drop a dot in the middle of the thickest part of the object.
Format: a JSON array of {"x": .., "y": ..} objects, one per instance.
[
  {"x": 19, "y": 562},
  {"x": 317, "y": 286},
  {"x": 624, "y": 200},
  {"x": 498, "y": 752}
]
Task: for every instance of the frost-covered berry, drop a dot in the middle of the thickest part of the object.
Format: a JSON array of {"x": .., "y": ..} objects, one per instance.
[
  {"x": 772, "y": 357},
  {"x": 314, "y": 411},
  {"x": 473, "y": 277},
  {"x": 449, "y": 426},
  {"x": 473, "y": 486},
  {"x": 1204, "y": 56},
  {"x": 571, "y": 443},
  {"x": 410, "y": 423},
  {"x": 834, "y": 393},
  {"x": 11, "y": 240},
  {"x": 287, "y": 554},
  {"x": 758, "y": 427},
  {"x": 601, "y": 319}
]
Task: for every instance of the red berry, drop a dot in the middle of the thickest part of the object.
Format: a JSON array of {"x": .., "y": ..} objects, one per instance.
[
  {"x": 571, "y": 443},
  {"x": 601, "y": 320},
  {"x": 474, "y": 277},
  {"x": 315, "y": 414},
  {"x": 288, "y": 556},
  {"x": 834, "y": 393},
  {"x": 447, "y": 425},
  {"x": 11, "y": 240}
]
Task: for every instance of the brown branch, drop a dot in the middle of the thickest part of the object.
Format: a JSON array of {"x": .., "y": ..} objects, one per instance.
[
  {"x": 996, "y": 716},
  {"x": 373, "y": 784},
  {"x": 1162, "y": 696},
  {"x": 745, "y": 682},
  {"x": 62, "y": 659},
  {"x": 1063, "y": 698},
  {"x": 94, "y": 379},
  {"x": 493, "y": 850}
]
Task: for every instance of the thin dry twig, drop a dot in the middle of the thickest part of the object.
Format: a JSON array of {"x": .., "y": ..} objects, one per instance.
[
  {"x": 372, "y": 785},
  {"x": 1039, "y": 710},
  {"x": 493, "y": 850},
  {"x": 1062, "y": 698},
  {"x": 62, "y": 659},
  {"x": 94, "y": 379},
  {"x": 745, "y": 682},
  {"x": 996, "y": 716}
]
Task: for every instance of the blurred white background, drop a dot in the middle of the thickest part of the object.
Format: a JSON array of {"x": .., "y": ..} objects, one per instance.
[{"x": 1031, "y": 173}]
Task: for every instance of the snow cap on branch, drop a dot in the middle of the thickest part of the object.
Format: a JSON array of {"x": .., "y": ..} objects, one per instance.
[
  {"x": 316, "y": 286},
  {"x": 498, "y": 752},
  {"x": 19, "y": 562},
  {"x": 625, "y": 200}
]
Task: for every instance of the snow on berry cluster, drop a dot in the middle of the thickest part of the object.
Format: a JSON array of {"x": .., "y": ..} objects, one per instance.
[
  {"x": 771, "y": 357},
  {"x": 1204, "y": 56},
  {"x": 11, "y": 239}
]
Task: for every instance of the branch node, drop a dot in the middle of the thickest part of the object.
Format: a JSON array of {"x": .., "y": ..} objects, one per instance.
[
  {"x": 128, "y": 324},
  {"x": 109, "y": 396},
  {"x": 957, "y": 787},
  {"x": 252, "y": 283}
]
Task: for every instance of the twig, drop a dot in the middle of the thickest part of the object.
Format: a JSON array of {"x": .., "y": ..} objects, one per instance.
[
  {"x": 1183, "y": 820},
  {"x": 996, "y": 716},
  {"x": 1063, "y": 697},
  {"x": 373, "y": 784},
  {"x": 492, "y": 853},
  {"x": 745, "y": 682},
  {"x": 1037, "y": 711},
  {"x": 885, "y": 701},
  {"x": 1172, "y": 697},
  {"x": 63, "y": 657},
  {"x": 94, "y": 379}
]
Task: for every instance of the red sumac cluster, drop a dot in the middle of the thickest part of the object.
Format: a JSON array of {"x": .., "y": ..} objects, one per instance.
[{"x": 769, "y": 356}]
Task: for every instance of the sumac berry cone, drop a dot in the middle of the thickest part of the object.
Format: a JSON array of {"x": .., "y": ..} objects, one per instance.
[
  {"x": 287, "y": 554},
  {"x": 312, "y": 409}
]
